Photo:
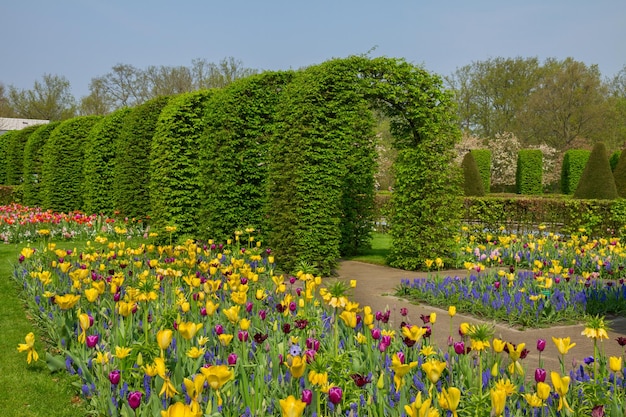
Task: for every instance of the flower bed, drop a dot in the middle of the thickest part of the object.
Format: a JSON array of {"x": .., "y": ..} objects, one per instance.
[{"x": 210, "y": 329}]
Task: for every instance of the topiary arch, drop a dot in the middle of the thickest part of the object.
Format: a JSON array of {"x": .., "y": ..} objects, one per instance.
[{"x": 325, "y": 136}]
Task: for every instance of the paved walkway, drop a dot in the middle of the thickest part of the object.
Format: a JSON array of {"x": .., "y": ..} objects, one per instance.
[{"x": 376, "y": 286}]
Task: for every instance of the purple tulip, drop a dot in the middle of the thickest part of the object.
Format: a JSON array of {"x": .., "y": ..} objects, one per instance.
[
  {"x": 292, "y": 280},
  {"x": 249, "y": 306},
  {"x": 310, "y": 355},
  {"x": 242, "y": 335},
  {"x": 293, "y": 306},
  {"x": 404, "y": 311},
  {"x": 203, "y": 312},
  {"x": 597, "y": 411},
  {"x": 262, "y": 314},
  {"x": 459, "y": 348},
  {"x": 541, "y": 344},
  {"x": 540, "y": 375},
  {"x": 232, "y": 359},
  {"x": 307, "y": 396},
  {"x": 134, "y": 399},
  {"x": 312, "y": 343},
  {"x": 497, "y": 285},
  {"x": 92, "y": 340},
  {"x": 379, "y": 315},
  {"x": 401, "y": 357},
  {"x": 117, "y": 296},
  {"x": 219, "y": 329},
  {"x": 376, "y": 333},
  {"x": 335, "y": 394},
  {"x": 114, "y": 377}
]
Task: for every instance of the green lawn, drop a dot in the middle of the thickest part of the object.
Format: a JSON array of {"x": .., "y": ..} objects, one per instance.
[
  {"x": 381, "y": 243},
  {"x": 29, "y": 390}
]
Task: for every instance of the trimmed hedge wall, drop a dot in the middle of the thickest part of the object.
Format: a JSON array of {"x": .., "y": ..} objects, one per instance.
[
  {"x": 236, "y": 155},
  {"x": 14, "y": 158},
  {"x": 99, "y": 163},
  {"x": 522, "y": 215},
  {"x": 33, "y": 161},
  {"x": 529, "y": 174},
  {"x": 614, "y": 159},
  {"x": 131, "y": 172},
  {"x": 5, "y": 138},
  {"x": 574, "y": 161},
  {"x": 483, "y": 162},
  {"x": 175, "y": 185},
  {"x": 619, "y": 174},
  {"x": 62, "y": 168},
  {"x": 596, "y": 181}
]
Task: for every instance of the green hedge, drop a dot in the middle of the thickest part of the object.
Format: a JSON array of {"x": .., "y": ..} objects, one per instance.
[
  {"x": 614, "y": 159},
  {"x": 619, "y": 174},
  {"x": 597, "y": 181},
  {"x": 483, "y": 162},
  {"x": 472, "y": 182},
  {"x": 235, "y": 156},
  {"x": 175, "y": 183},
  {"x": 574, "y": 161},
  {"x": 5, "y": 138},
  {"x": 529, "y": 174},
  {"x": 565, "y": 215},
  {"x": 15, "y": 155},
  {"x": 7, "y": 194},
  {"x": 33, "y": 161},
  {"x": 62, "y": 169},
  {"x": 99, "y": 163},
  {"x": 131, "y": 170}
]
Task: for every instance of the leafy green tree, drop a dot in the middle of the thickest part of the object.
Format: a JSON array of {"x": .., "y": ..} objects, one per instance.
[
  {"x": 99, "y": 162},
  {"x": 5, "y": 106},
  {"x": 50, "y": 99},
  {"x": 597, "y": 180},
  {"x": 33, "y": 161},
  {"x": 14, "y": 158},
  {"x": 175, "y": 184},
  {"x": 131, "y": 172},
  {"x": 62, "y": 168},
  {"x": 472, "y": 181}
]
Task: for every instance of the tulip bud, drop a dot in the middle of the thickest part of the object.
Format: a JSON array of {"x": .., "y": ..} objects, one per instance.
[
  {"x": 335, "y": 394},
  {"x": 307, "y": 396},
  {"x": 376, "y": 333},
  {"x": 541, "y": 345},
  {"x": 232, "y": 359},
  {"x": 114, "y": 377},
  {"x": 219, "y": 329},
  {"x": 134, "y": 399},
  {"x": 540, "y": 375}
]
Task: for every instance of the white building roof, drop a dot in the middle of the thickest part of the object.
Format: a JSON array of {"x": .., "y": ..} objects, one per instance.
[{"x": 8, "y": 123}]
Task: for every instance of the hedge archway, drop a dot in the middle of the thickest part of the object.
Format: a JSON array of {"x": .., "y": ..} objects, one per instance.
[{"x": 15, "y": 155}]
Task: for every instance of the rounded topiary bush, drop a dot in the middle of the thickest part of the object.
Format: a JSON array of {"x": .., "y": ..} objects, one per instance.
[
  {"x": 472, "y": 181},
  {"x": 529, "y": 174},
  {"x": 99, "y": 163},
  {"x": 614, "y": 159},
  {"x": 131, "y": 172},
  {"x": 33, "y": 161},
  {"x": 596, "y": 181},
  {"x": 62, "y": 169}
]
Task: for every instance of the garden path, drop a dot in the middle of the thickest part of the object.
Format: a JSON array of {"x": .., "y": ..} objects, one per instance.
[{"x": 376, "y": 285}]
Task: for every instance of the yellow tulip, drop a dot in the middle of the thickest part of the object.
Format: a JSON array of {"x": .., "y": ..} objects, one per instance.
[
  {"x": 452, "y": 311},
  {"x": 349, "y": 318},
  {"x": 433, "y": 369},
  {"x": 211, "y": 307},
  {"x": 195, "y": 353},
  {"x": 67, "y": 301},
  {"x": 414, "y": 332},
  {"x": 515, "y": 351},
  {"x": 561, "y": 386},
  {"x": 29, "y": 347},
  {"x": 615, "y": 363},
  {"x": 92, "y": 294},
  {"x": 232, "y": 314},
  {"x": 225, "y": 339},
  {"x": 292, "y": 407},
  {"x": 164, "y": 338},
  {"x": 217, "y": 375},
  {"x": 533, "y": 400},
  {"x": 179, "y": 409},
  {"x": 543, "y": 390},
  {"x": 563, "y": 344},
  {"x": 122, "y": 352},
  {"x": 498, "y": 401},
  {"x": 189, "y": 329},
  {"x": 450, "y": 399},
  {"x": 297, "y": 365},
  {"x": 498, "y": 345},
  {"x": 433, "y": 318}
]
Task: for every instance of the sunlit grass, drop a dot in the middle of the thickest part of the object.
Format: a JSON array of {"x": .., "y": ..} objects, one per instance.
[{"x": 381, "y": 242}]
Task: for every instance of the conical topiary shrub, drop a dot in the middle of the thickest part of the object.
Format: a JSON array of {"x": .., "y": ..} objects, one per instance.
[
  {"x": 472, "y": 181},
  {"x": 619, "y": 175},
  {"x": 597, "y": 181}
]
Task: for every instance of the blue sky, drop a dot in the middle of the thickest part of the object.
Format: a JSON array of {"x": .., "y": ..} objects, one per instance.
[{"x": 83, "y": 39}]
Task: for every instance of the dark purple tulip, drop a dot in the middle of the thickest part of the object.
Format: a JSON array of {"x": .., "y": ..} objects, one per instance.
[
  {"x": 114, "y": 377},
  {"x": 425, "y": 319},
  {"x": 203, "y": 312},
  {"x": 540, "y": 375},
  {"x": 286, "y": 328},
  {"x": 312, "y": 343},
  {"x": 293, "y": 306},
  {"x": 243, "y": 281},
  {"x": 376, "y": 333},
  {"x": 621, "y": 340},
  {"x": 541, "y": 344},
  {"x": 497, "y": 285},
  {"x": 335, "y": 394},
  {"x": 307, "y": 396},
  {"x": 249, "y": 307},
  {"x": 232, "y": 359},
  {"x": 379, "y": 315},
  {"x": 92, "y": 340},
  {"x": 134, "y": 399},
  {"x": 116, "y": 297},
  {"x": 262, "y": 314},
  {"x": 259, "y": 338},
  {"x": 404, "y": 311},
  {"x": 292, "y": 280},
  {"x": 429, "y": 331}
]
